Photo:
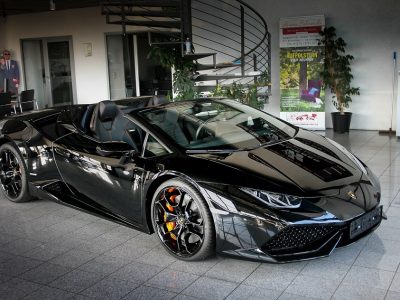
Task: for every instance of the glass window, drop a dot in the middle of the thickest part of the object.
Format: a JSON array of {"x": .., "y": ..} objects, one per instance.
[
  {"x": 218, "y": 125},
  {"x": 154, "y": 148},
  {"x": 136, "y": 136}
]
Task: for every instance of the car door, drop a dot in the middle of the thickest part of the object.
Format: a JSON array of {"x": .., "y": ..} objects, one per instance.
[{"x": 113, "y": 183}]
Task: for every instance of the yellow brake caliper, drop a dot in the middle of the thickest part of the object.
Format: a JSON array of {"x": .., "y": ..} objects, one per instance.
[{"x": 170, "y": 225}]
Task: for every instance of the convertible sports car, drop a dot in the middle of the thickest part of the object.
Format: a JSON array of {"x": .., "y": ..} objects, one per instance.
[{"x": 205, "y": 175}]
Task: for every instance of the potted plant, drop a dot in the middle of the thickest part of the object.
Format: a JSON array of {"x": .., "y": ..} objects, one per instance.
[
  {"x": 183, "y": 85},
  {"x": 337, "y": 77}
]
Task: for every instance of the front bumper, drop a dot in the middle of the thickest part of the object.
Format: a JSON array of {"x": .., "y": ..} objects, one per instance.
[{"x": 270, "y": 237}]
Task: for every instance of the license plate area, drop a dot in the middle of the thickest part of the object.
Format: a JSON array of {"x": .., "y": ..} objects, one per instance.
[{"x": 365, "y": 222}]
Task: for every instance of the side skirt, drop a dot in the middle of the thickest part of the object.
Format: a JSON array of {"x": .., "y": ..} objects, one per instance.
[{"x": 58, "y": 192}]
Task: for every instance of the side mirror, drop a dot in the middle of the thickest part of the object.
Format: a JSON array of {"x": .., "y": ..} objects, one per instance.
[{"x": 115, "y": 149}]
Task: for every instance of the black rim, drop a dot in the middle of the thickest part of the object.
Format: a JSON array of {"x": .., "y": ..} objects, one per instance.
[
  {"x": 179, "y": 222},
  {"x": 10, "y": 174}
]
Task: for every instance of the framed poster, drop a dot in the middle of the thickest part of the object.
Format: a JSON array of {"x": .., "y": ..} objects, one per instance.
[{"x": 302, "y": 99}]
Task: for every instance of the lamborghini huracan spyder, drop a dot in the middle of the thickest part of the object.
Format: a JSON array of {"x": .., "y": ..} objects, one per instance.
[{"x": 206, "y": 176}]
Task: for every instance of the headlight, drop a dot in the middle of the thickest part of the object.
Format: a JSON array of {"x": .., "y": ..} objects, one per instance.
[
  {"x": 349, "y": 155},
  {"x": 274, "y": 200}
]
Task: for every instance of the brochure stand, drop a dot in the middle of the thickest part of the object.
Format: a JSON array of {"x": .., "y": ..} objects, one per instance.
[{"x": 394, "y": 89}]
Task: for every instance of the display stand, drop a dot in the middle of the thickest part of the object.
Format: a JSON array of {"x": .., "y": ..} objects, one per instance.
[{"x": 394, "y": 89}]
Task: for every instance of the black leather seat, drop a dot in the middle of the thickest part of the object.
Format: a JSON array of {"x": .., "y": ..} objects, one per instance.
[
  {"x": 109, "y": 124},
  {"x": 87, "y": 116},
  {"x": 27, "y": 100},
  {"x": 172, "y": 127},
  {"x": 103, "y": 119},
  {"x": 157, "y": 100}
]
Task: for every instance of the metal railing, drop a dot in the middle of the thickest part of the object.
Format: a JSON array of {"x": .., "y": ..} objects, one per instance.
[
  {"x": 237, "y": 33},
  {"x": 233, "y": 30}
]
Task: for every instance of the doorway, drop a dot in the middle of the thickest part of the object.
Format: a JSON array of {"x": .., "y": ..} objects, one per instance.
[
  {"x": 48, "y": 69},
  {"x": 145, "y": 76}
]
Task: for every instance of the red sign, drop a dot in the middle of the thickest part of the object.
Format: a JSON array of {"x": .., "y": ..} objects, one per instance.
[{"x": 295, "y": 30}]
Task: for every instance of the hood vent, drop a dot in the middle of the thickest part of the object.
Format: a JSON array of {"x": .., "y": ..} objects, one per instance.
[{"x": 311, "y": 162}]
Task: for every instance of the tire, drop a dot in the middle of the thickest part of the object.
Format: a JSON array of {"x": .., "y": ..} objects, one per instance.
[
  {"x": 182, "y": 220},
  {"x": 13, "y": 179}
]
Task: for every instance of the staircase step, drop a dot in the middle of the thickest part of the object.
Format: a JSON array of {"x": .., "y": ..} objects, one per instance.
[
  {"x": 202, "y": 67},
  {"x": 143, "y": 3},
  {"x": 206, "y": 77},
  {"x": 196, "y": 56},
  {"x": 166, "y": 44},
  {"x": 164, "y": 24},
  {"x": 144, "y": 13}
]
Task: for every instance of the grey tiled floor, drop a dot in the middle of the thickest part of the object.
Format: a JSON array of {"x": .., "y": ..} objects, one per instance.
[{"x": 48, "y": 251}]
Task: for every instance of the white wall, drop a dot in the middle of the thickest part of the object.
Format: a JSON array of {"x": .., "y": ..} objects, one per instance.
[
  {"x": 85, "y": 26},
  {"x": 369, "y": 27},
  {"x": 371, "y": 30}
]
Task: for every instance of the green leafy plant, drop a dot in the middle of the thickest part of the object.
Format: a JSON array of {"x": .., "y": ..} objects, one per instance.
[
  {"x": 247, "y": 94},
  {"x": 183, "y": 85},
  {"x": 337, "y": 74}
]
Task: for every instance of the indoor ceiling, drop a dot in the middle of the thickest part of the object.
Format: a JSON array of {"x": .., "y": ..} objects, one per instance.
[{"x": 12, "y": 7}]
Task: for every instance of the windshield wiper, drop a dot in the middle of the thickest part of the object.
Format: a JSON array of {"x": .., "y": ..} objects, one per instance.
[
  {"x": 201, "y": 151},
  {"x": 272, "y": 143}
]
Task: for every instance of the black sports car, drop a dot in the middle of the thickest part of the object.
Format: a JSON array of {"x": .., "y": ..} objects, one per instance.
[{"x": 205, "y": 175}]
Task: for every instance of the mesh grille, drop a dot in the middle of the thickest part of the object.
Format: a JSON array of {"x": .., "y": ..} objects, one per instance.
[{"x": 298, "y": 236}]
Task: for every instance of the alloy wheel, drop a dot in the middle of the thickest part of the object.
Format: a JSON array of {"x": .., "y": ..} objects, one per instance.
[
  {"x": 179, "y": 222},
  {"x": 10, "y": 173}
]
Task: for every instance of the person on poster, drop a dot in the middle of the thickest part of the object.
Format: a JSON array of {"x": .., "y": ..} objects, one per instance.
[
  {"x": 2, "y": 73},
  {"x": 11, "y": 73}
]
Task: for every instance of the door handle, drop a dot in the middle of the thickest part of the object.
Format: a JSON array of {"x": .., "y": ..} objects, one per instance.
[{"x": 63, "y": 153}]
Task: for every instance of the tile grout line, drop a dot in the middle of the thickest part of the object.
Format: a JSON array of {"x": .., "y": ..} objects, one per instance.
[
  {"x": 259, "y": 266},
  {"x": 391, "y": 282},
  {"x": 72, "y": 270},
  {"x": 352, "y": 265},
  {"x": 109, "y": 275},
  {"x": 199, "y": 276},
  {"x": 297, "y": 275}
]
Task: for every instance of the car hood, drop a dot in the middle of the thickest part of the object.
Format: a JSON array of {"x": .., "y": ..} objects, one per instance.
[{"x": 307, "y": 164}]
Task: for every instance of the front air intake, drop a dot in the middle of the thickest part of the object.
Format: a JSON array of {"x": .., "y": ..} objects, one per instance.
[{"x": 300, "y": 238}]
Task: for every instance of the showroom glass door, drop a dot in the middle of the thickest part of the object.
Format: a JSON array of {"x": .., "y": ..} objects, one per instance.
[
  {"x": 58, "y": 64},
  {"x": 122, "y": 66},
  {"x": 48, "y": 69},
  {"x": 32, "y": 55},
  {"x": 116, "y": 68},
  {"x": 130, "y": 70}
]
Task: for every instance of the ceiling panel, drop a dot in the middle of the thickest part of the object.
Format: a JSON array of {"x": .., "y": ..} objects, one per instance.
[{"x": 12, "y": 7}]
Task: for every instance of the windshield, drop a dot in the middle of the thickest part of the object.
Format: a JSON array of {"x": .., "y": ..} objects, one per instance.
[{"x": 217, "y": 125}]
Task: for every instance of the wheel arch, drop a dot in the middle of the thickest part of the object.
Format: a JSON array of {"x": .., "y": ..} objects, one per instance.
[
  {"x": 21, "y": 148},
  {"x": 26, "y": 196},
  {"x": 4, "y": 139},
  {"x": 153, "y": 187}
]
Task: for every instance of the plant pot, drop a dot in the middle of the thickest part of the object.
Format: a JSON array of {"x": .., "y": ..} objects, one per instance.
[{"x": 341, "y": 123}]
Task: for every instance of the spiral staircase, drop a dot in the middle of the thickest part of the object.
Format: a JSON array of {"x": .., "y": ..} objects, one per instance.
[{"x": 229, "y": 41}]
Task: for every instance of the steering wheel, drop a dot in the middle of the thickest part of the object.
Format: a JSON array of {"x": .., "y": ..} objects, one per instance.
[{"x": 200, "y": 129}]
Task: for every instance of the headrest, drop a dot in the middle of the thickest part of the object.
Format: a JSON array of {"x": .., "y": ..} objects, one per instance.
[
  {"x": 157, "y": 99},
  {"x": 171, "y": 116},
  {"x": 107, "y": 110}
]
